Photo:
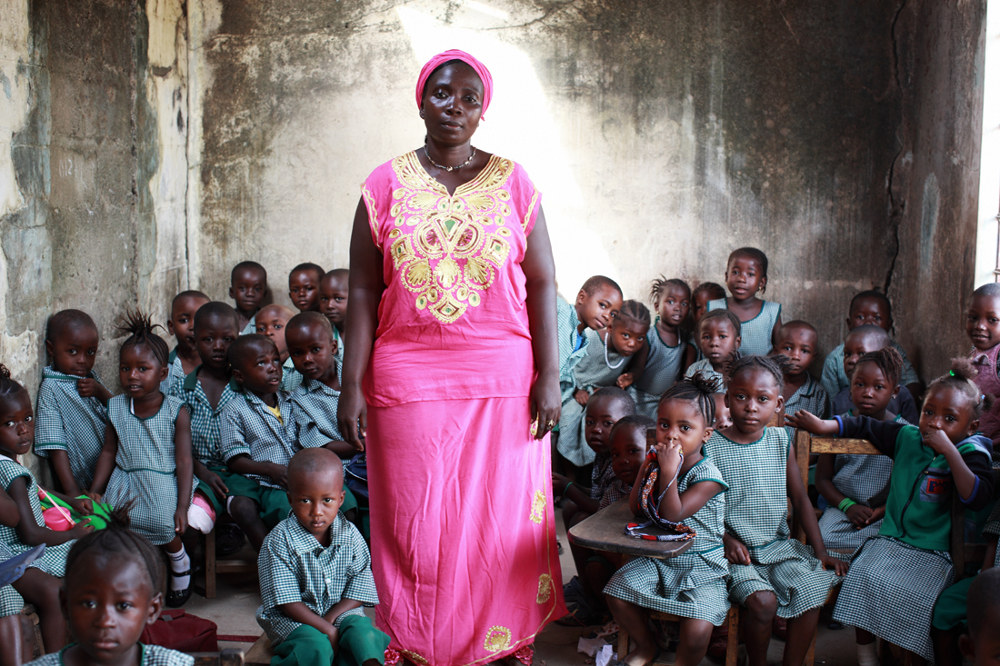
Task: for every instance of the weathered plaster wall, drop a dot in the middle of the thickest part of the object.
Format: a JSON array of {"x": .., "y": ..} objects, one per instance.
[
  {"x": 662, "y": 134},
  {"x": 936, "y": 180}
]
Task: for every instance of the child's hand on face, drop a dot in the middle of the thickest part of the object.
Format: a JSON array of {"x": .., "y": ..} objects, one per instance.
[
  {"x": 581, "y": 396},
  {"x": 669, "y": 457},
  {"x": 86, "y": 387},
  {"x": 839, "y": 567},
  {"x": 937, "y": 440},
  {"x": 736, "y": 550},
  {"x": 860, "y": 515},
  {"x": 624, "y": 380}
]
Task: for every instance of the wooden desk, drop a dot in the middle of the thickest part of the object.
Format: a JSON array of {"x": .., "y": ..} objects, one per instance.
[{"x": 605, "y": 530}]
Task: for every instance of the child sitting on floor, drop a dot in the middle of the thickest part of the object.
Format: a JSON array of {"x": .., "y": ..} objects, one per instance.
[
  {"x": 863, "y": 340},
  {"x": 271, "y": 322},
  {"x": 870, "y": 308},
  {"x": 692, "y": 585},
  {"x": 258, "y": 437},
  {"x": 184, "y": 357},
  {"x": 315, "y": 574},
  {"x": 303, "y": 286},
  {"x": 112, "y": 592},
  {"x": 760, "y": 320},
  {"x": 248, "y": 289},
  {"x": 146, "y": 459},
  {"x": 664, "y": 356},
  {"x": 908, "y": 559},
  {"x": 798, "y": 342},
  {"x": 719, "y": 340},
  {"x": 856, "y": 486},
  {"x": 770, "y": 572},
  {"x": 72, "y": 402},
  {"x": 603, "y": 364},
  {"x": 26, "y": 529},
  {"x": 333, "y": 295},
  {"x": 982, "y": 324}
]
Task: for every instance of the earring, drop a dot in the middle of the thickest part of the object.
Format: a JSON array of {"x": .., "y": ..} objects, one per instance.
[{"x": 421, "y": 113}]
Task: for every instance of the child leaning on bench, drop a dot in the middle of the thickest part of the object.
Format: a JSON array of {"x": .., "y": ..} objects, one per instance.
[{"x": 315, "y": 574}]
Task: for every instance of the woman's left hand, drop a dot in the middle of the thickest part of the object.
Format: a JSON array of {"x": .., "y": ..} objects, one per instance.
[{"x": 545, "y": 404}]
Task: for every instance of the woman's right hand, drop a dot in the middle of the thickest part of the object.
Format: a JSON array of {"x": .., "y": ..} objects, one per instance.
[{"x": 352, "y": 416}]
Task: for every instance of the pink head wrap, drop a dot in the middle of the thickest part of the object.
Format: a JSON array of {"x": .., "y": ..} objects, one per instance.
[{"x": 455, "y": 54}]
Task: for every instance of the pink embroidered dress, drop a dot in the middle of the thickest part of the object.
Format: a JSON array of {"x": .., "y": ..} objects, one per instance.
[{"x": 463, "y": 533}]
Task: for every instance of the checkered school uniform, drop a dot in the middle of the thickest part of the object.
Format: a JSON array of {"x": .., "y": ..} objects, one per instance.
[
  {"x": 614, "y": 492},
  {"x": 65, "y": 421},
  {"x": 692, "y": 584},
  {"x": 704, "y": 366},
  {"x": 175, "y": 373},
  {"x": 811, "y": 397},
  {"x": 835, "y": 380},
  {"x": 53, "y": 560},
  {"x": 756, "y": 514},
  {"x": 663, "y": 368},
  {"x": 592, "y": 372},
  {"x": 571, "y": 343},
  {"x": 294, "y": 567},
  {"x": 315, "y": 414},
  {"x": 755, "y": 334},
  {"x": 291, "y": 378},
  {"x": 251, "y": 326},
  {"x": 11, "y": 602},
  {"x": 151, "y": 655},
  {"x": 146, "y": 468},
  {"x": 206, "y": 420},
  {"x": 250, "y": 428}
]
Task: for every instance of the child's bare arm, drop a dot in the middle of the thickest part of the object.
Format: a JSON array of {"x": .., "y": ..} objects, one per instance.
[
  {"x": 28, "y": 531},
  {"x": 105, "y": 462},
  {"x": 736, "y": 551},
  {"x": 812, "y": 423},
  {"x": 807, "y": 517},
  {"x": 244, "y": 464},
  {"x": 299, "y": 612},
  {"x": 182, "y": 457},
  {"x": 63, "y": 472},
  {"x": 677, "y": 507},
  {"x": 341, "y": 448},
  {"x": 211, "y": 479},
  {"x": 340, "y": 608},
  {"x": 9, "y": 514}
]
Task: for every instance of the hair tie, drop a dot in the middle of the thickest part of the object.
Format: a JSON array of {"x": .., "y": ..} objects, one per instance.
[{"x": 952, "y": 373}]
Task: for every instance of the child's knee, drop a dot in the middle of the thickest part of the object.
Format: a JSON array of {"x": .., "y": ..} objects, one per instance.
[
  {"x": 305, "y": 645},
  {"x": 243, "y": 510},
  {"x": 696, "y": 634},
  {"x": 762, "y": 605}
]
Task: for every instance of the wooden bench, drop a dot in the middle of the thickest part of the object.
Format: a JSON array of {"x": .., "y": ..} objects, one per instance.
[{"x": 260, "y": 652}]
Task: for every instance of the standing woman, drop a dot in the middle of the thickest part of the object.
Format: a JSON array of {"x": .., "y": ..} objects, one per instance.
[{"x": 451, "y": 378}]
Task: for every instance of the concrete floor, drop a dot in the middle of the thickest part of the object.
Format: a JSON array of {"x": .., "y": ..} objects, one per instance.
[{"x": 237, "y": 600}]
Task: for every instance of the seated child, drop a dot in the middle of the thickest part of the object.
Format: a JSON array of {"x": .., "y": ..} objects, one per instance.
[
  {"x": 856, "y": 486},
  {"x": 628, "y": 449},
  {"x": 770, "y": 572},
  {"x": 313, "y": 350},
  {"x": 760, "y": 320},
  {"x": 184, "y": 357},
  {"x": 112, "y": 593},
  {"x": 258, "y": 437},
  {"x": 862, "y": 340},
  {"x": 248, "y": 289},
  {"x": 797, "y": 341},
  {"x": 664, "y": 357},
  {"x": 719, "y": 340},
  {"x": 333, "y": 294},
  {"x": 303, "y": 286},
  {"x": 72, "y": 402},
  {"x": 145, "y": 462},
  {"x": 271, "y": 322},
  {"x": 908, "y": 559},
  {"x": 982, "y": 324},
  {"x": 980, "y": 646},
  {"x": 692, "y": 585},
  {"x": 26, "y": 529},
  {"x": 206, "y": 391},
  {"x": 871, "y": 308},
  {"x": 596, "y": 303},
  {"x": 606, "y": 407},
  {"x": 315, "y": 574},
  {"x": 603, "y": 364},
  {"x": 702, "y": 294}
]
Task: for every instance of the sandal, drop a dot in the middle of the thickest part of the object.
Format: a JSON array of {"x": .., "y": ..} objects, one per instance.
[{"x": 177, "y": 598}]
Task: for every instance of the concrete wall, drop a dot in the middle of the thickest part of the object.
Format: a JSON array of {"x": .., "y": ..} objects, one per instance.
[
  {"x": 936, "y": 180},
  {"x": 663, "y": 135}
]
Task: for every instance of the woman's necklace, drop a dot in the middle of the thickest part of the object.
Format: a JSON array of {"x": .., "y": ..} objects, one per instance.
[
  {"x": 449, "y": 169},
  {"x": 607, "y": 361}
]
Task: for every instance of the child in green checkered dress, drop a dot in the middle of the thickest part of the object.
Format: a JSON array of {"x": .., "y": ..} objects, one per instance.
[
  {"x": 25, "y": 528},
  {"x": 184, "y": 356},
  {"x": 248, "y": 289},
  {"x": 689, "y": 488},
  {"x": 315, "y": 575},
  {"x": 258, "y": 437},
  {"x": 112, "y": 592},
  {"x": 895, "y": 579},
  {"x": 145, "y": 463},
  {"x": 770, "y": 573},
  {"x": 72, "y": 403}
]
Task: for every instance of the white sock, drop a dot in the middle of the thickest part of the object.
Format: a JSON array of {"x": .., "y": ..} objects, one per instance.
[
  {"x": 867, "y": 656},
  {"x": 179, "y": 562}
]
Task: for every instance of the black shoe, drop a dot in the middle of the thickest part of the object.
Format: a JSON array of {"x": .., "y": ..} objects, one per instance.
[
  {"x": 229, "y": 540},
  {"x": 177, "y": 598}
]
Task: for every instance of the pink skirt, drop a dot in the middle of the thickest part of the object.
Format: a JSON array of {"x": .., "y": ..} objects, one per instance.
[{"x": 463, "y": 532}]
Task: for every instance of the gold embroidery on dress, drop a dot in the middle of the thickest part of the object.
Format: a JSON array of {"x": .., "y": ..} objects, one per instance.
[
  {"x": 450, "y": 256},
  {"x": 544, "y": 589},
  {"x": 538, "y": 507},
  {"x": 414, "y": 657},
  {"x": 497, "y": 639}
]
